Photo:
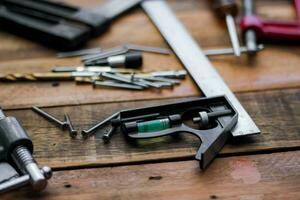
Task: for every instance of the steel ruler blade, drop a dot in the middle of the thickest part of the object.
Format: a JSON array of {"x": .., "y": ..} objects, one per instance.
[{"x": 194, "y": 60}]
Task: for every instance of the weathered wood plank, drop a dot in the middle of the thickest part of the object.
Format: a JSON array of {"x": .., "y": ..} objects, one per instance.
[
  {"x": 266, "y": 71},
  {"x": 268, "y": 177},
  {"x": 277, "y": 114}
]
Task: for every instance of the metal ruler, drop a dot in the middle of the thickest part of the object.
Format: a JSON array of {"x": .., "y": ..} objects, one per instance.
[{"x": 194, "y": 60}]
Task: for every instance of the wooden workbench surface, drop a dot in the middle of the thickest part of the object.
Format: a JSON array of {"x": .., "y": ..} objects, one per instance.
[{"x": 265, "y": 166}]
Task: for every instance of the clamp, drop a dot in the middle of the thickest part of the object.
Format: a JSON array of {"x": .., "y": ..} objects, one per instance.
[
  {"x": 255, "y": 29},
  {"x": 18, "y": 167}
]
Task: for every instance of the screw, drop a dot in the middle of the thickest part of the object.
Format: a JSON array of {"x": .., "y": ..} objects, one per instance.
[
  {"x": 204, "y": 116},
  {"x": 72, "y": 131},
  {"x": 106, "y": 136},
  {"x": 86, "y": 133},
  {"x": 49, "y": 117},
  {"x": 27, "y": 164}
]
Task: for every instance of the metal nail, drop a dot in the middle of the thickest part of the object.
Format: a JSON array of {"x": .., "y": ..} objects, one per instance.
[
  {"x": 117, "y": 85},
  {"x": 49, "y": 117},
  {"x": 82, "y": 52},
  {"x": 87, "y": 133},
  {"x": 149, "y": 49},
  {"x": 72, "y": 131},
  {"x": 106, "y": 53},
  {"x": 122, "y": 78}
]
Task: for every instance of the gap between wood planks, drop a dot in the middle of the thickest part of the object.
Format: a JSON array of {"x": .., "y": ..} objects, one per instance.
[{"x": 178, "y": 159}]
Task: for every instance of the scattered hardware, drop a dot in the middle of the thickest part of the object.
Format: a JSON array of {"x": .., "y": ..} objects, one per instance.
[
  {"x": 82, "y": 52},
  {"x": 210, "y": 119},
  {"x": 118, "y": 50},
  {"x": 105, "y": 77},
  {"x": 130, "y": 60},
  {"x": 52, "y": 23},
  {"x": 256, "y": 29},
  {"x": 229, "y": 9},
  {"x": 158, "y": 50},
  {"x": 229, "y": 51},
  {"x": 193, "y": 58},
  {"x": 16, "y": 156}
]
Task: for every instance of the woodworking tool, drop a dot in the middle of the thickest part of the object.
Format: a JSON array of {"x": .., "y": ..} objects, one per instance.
[
  {"x": 132, "y": 60},
  {"x": 46, "y": 76},
  {"x": 17, "y": 166},
  {"x": 194, "y": 60},
  {"x": 51, "y": 118},
  {"x": 72, "y": 131},
  {"x": 228, "y": 9},
  {"x": 229, "y": 51},
  {"x": 255, "y": 29},
  {"x": 61, "y": 69},
  {"x": 82, "y": 52},
  {"x": 58, "y": 24},
  {"x": 217, "y": 113}
]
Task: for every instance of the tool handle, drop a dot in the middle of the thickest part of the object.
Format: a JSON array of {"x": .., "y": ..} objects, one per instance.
[
  {"x": 225, "y": 7},
  {"x": 271, "y": 30}
]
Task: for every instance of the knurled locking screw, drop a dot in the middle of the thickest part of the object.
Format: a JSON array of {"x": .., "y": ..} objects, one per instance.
[{"x": 27, "y": 164}]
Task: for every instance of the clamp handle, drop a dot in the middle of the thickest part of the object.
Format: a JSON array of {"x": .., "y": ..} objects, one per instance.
[{"x": 272, "y": 30}]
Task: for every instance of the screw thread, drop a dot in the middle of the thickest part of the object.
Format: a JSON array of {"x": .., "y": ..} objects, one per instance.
[{"x": 22, "y": 156}]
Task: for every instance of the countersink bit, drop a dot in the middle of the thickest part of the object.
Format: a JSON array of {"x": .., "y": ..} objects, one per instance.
[{"x": 132, "y": 60}]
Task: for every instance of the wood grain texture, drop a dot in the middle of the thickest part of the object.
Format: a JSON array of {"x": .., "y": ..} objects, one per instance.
[
  {"x": 259, "y": 177},
  {"x": 276, "y": 67},
  {"x": 277, "y": 114}
]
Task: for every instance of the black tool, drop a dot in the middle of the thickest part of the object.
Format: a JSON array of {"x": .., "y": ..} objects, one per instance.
[
  {"x": 129, "y": 60},
  {"x": 57, "y": 24},
  {"x": 210, "y": 119},
  {"x": 17, "y": 166},
  {"x": 50, "y": 31}
]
